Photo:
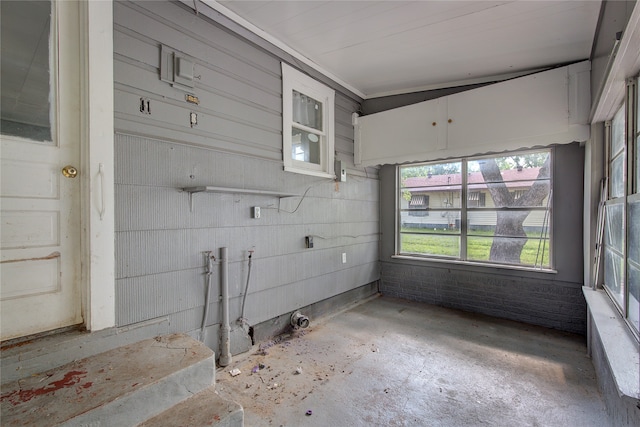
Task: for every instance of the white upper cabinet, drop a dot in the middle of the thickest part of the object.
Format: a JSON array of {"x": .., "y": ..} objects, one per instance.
[{"x": 541, "y": 109}]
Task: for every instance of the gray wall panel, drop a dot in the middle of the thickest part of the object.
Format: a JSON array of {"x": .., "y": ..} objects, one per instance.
[
  {"x": 212, "y": 130},
  {"x": 216, "y": 103},
  {"x": 163, "y": 293},
  {"x": 182, "y": 30},
  {"x": 237, "y": 143}
]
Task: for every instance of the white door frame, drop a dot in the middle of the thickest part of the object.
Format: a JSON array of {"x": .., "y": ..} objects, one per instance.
[{"x": 97, "y": 164}]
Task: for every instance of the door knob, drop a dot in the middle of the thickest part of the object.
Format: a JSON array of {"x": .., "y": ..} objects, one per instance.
[{"x": 69, "y": 171}]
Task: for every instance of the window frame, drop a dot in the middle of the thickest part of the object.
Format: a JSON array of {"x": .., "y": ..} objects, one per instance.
[
  {"x": 613, "y": 201},
  {"x": 464, "y": 209},
  {"x": 294, "y": 80},
  {"x": 630, "y": 195}
]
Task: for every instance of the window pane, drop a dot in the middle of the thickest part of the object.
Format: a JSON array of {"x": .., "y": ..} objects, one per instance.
[
  {"x": 613, "y": 274},
  {"x": 634, "y": 295},
  {"x": 614, "y": 226},
  {"x": 481, "y": 222},
  {"x": 617, "y": 177},
  {"x": 633, "y": 262},
  {"x": 634, "y": 232},
  {"x": 617, "y": 132},
  {"x": 513, "y": 181},
  {"x": 425, "y": 244},
  {"x": 636, "y": 168},
  {"x": 636, "y": 173},
  {"x": 521, "y": 237},
  {"x": 25, "y": 69},
  {"x": 413, "y": 222},
  {"x": 530, "y": 251},
  {"x": 305, "y": 146},
  {"x": 525, "y": 223},
  {"x": 440, "y": 177},
  {"x": 418, "y": 205},
  {"x": 434, "y": 191},
  {"x": 307, "y": 111}
]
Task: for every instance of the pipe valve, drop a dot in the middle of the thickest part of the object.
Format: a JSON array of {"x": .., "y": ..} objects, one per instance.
[{"x": 299, "y": 320}]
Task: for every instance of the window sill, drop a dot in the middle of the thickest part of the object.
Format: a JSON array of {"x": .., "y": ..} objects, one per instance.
[
  {"x": 321, "y": 174},
  {"x": 620, "y": 346},
  {"x": 475, "y": 264}
]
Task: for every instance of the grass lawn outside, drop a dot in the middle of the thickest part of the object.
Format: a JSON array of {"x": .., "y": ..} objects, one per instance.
[{"x": 447, "y": 243}]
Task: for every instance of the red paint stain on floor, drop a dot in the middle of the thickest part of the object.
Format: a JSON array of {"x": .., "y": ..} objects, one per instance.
[{"x": 71, "y": 378}]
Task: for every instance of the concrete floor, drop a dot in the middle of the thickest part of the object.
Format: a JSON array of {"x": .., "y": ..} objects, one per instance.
[{"x": 390, "y": 362}]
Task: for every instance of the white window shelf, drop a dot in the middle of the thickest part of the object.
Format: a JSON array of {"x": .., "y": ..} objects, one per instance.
[{"x": 620, "y": 347}]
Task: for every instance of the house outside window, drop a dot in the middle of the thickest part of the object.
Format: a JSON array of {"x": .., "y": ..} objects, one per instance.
[
  {"x": 477, "y": 199},
  {"x": 622, "y": 209},
  {"x": 419, "y": 205},
  {"x": 493, "y": 210},
  {"x": 307, "y": 124}
]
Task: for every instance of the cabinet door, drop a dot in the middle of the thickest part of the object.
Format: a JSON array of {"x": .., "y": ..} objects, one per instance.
[
  {"x": 403, "y": 134},
  {"x": 532, "y": 109}
]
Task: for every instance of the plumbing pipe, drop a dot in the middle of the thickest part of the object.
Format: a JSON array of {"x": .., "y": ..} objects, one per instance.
[
  {"x": 210, "y": 259},
  {"x": 225, "y": 329},
  {"x": 299, "y": 320},
  {"x": 242, "y": 320}
]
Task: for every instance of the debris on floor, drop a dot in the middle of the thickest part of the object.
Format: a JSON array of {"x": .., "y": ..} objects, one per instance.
[
  {"x": 235, "y": 372},
  {"x": 334, "y": 369}
]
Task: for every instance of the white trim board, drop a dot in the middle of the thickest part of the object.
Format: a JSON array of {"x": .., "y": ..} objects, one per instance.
[
  {"x": 625, "y": 64},
  {"x": 97, "y": 157}
]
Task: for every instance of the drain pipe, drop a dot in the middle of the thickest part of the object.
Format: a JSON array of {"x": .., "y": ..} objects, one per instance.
[{"x": 225, "y": 329}]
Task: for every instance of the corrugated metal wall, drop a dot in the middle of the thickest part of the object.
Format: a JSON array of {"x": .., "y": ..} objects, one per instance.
[{"x": 237, "y": 143}]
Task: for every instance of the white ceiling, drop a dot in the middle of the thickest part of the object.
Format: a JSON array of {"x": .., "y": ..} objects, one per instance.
[{"x": 386, "y": 47}]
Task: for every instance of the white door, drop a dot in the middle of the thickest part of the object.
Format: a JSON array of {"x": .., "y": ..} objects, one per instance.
[{"x": 40, "y": 209}]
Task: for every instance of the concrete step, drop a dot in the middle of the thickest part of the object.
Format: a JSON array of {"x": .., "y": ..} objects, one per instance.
[
  {"x": 120, "y": 387},
  {"x": 33, "y": 355},
  {"x": 204, "y": 409}
]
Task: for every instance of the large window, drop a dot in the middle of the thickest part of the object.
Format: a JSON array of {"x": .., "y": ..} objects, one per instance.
[
  {"x": 489, "y": 210},
  {"x": 308, "y": 124},
  {"x": 622, "y": 209}
]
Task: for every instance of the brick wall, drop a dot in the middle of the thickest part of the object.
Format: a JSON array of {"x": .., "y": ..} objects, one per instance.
[{"x": 550, "y": 303}]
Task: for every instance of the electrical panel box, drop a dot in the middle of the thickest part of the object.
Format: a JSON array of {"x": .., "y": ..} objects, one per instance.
[
  {"x": 176, "y": 69},
  {"x": 341, "y": 171}
]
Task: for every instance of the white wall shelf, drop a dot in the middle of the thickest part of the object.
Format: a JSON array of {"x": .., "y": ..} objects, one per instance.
[{"x": 211, "y": 189}]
